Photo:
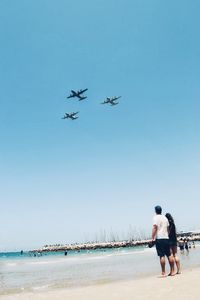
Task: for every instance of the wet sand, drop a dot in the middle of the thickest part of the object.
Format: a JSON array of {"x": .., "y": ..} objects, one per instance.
[{"x": 183, "y": 286}]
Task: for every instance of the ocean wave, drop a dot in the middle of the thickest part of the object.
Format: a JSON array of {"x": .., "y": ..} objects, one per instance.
[
  {"x": 41, "y": 287},
  {"x": 11, "y": 264}
]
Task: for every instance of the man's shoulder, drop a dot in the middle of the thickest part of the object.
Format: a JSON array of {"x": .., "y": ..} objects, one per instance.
[
  {"x": 159, "y": 218},
  {"x": 155, "y": 219}
]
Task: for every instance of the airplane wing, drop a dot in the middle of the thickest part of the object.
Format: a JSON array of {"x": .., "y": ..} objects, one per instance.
[
  {"x": 115, "y": 98},
  {"x": 81, "y": 91},
  {"x": 73, "y": 94},
  {"x": 74, "y": 113}
]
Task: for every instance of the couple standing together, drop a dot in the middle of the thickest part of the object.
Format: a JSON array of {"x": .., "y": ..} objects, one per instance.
[{"x": 164, "y": 235}]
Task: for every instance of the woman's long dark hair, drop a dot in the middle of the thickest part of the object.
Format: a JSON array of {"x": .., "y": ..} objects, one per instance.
[
  {"x": 172, "y": 226},
  {"x": 170, "y": 219}
]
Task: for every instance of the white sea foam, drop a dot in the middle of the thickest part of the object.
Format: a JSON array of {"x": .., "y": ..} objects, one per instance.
[
  {"x": 55, "y": 261},
  {"x": 95, "y": 257},
  {"x": 41, "y": 287},
  {"x": 11, "y": 264},
  {"x": 48, "y": 262}
]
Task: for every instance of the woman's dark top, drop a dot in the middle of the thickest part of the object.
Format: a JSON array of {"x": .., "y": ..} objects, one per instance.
[{"x": 172, "y": 235}]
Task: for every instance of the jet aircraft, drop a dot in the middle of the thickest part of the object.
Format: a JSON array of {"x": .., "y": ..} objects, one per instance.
[
  {"x": 78, "y": 94},
  {"x": 111, "y": 101},
  {"x": 71, "y": 116}
]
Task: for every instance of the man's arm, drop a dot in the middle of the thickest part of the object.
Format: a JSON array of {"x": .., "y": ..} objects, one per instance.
[{"x": 154, "y": 231}]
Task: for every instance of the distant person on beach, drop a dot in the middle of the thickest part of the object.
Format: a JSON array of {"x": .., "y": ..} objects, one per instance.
[
  {"x": 181, "y": 245},
  {"x": 186, "y": 245},
  {"x": 173, "y": 241},
  {"x": 161, "y": 238}
]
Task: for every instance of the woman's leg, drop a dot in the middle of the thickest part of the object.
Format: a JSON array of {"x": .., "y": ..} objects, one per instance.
[{"x": 176, "y": 258}]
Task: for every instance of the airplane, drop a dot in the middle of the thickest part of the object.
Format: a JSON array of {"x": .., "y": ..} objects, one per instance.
[
  {"x": 71, "y": 116},
  {"x": 111, "y": 101},
  {"x": 78, "y": 94}
]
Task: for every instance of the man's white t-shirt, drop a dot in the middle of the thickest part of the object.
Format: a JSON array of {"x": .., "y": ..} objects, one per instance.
[{"x": 162, "y": 226}]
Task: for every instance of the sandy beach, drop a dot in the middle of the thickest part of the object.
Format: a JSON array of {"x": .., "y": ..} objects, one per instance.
[{"x": 183, "y": 286}]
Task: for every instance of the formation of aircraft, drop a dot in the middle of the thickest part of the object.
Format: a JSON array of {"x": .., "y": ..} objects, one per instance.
[
  {"x": 72, "y": 116},
  {"x": 78, "y": 94},
  {"x": 111, "y": 100}
]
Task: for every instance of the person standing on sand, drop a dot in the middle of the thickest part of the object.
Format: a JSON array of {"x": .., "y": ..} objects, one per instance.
[
  {"x": 173, "y": 241},
  {"x": 161, "y": 238}
]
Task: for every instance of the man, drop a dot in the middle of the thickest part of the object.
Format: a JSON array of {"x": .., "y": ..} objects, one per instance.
[{"x": 160, "y": 236}]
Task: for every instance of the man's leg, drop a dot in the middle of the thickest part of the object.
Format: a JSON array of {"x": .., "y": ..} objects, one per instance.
[{"x": 162, "y": 264}]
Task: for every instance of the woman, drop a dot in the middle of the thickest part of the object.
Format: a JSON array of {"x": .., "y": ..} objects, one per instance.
[{"x": 173, "y": 241}]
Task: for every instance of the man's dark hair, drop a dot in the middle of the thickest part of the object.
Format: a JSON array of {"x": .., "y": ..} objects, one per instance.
[{"x": 158, "y": 209}]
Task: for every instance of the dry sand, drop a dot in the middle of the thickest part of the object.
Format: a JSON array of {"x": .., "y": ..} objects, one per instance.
[{"x": 180, "y": 287}]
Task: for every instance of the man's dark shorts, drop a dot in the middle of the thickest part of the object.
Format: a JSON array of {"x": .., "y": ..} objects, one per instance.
[{"x": 163, "y": 247}]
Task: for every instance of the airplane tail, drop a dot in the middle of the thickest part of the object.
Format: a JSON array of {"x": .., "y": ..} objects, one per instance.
[{"x": 82, "y": 98}]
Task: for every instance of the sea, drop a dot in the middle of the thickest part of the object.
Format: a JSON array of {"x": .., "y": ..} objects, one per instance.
[{"x": 24, "y": 272}]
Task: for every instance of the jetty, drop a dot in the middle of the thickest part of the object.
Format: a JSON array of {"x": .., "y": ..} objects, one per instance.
[
  {"x": 91, "y": 246},
  {"x": 191, "y": 236}
]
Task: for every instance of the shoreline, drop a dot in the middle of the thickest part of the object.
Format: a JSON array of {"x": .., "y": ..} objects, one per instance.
[{"x": 183, "y": 286}]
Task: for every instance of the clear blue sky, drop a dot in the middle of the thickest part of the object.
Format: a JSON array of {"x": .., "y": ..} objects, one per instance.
[{"x": 64, "y": 181}]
